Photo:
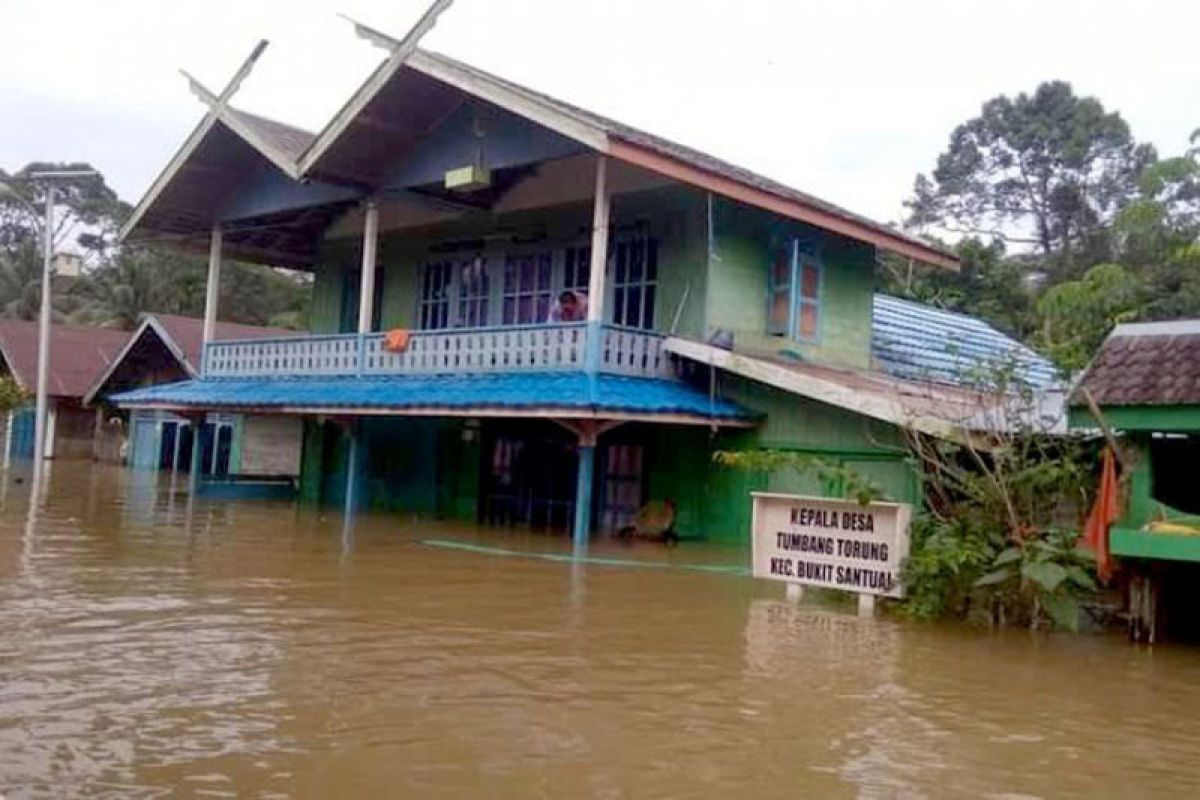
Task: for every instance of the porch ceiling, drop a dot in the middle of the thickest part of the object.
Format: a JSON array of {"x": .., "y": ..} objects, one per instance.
[
  {"x": 404, "y": 111},
  {"x": 181, "y": 211},
  {"x": 571, "y": 395}
]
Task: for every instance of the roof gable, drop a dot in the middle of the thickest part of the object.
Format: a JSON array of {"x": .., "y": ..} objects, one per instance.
[
  {"x": 77, "y": 355},
  {"x": 182, "y": 339}
]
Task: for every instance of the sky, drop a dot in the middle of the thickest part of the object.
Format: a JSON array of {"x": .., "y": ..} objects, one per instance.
[{"x": 847, "y": 100}]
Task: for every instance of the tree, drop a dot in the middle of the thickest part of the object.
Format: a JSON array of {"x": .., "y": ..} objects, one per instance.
[
  {"x": 1048, "y": 170},
  {"x": 1077, "y": 315},
  {"x": 122, "y": 283},
  {"x": 136, "y": 281},
  {"x": 85, "y": 208},
  {"x": 20, "y": 280}
]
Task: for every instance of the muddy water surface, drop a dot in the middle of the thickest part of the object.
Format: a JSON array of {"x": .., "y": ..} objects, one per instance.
[{"x": 251, "y": 649}]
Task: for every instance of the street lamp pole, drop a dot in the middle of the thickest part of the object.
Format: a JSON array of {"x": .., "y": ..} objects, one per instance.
[
  {"x": 43, "y": 363},
  {"x": 43, "y": 367}
]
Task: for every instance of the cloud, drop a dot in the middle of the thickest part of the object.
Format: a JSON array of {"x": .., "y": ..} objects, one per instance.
[{"x": 845, "y": 100}]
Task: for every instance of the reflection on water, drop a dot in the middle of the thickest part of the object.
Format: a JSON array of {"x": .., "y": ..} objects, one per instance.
[{"x": 247, "y": 649}]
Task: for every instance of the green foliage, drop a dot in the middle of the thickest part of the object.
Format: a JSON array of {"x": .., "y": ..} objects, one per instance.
[
  {"x": 1082, "y": 227},
  {"x": 1040, "y": 578},
  {"x": 1077, "y": 315},
  {"x": 839, "y": 478},
  {"x": 1001, "y": 522},
  {"x": 946, "y": 558},
  {"x": 1048, "y": 169},
  {"x": 11, "y": 394},
  {"x": 121, "y": 284}
]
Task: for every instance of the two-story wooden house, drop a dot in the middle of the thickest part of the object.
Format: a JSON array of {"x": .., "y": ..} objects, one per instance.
[{"x": 524, "y": 312}]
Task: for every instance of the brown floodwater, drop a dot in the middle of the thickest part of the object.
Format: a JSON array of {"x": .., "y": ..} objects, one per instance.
[{"x": 254, "y": 649}]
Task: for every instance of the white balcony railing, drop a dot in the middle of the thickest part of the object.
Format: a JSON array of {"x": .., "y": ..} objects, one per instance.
[{"x": 563, "y": 347}]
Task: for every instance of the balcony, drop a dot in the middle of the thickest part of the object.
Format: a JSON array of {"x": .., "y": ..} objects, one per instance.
[{"x": 534, "y": 348}]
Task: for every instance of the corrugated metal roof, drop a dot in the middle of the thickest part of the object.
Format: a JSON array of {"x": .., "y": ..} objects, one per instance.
[
  {"x": 501, "y": 391},
  {"x": 918, "y": 342},
  {"x": 1147, "y": 364},
  {"x": 77, "y": 355}
]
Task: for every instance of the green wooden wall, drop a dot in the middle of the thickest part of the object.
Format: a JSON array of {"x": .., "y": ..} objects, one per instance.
[
  {"x": 743, "y": 242},
  {"x": 676, "y": 217},
  {"x": 713, "y": 502}
]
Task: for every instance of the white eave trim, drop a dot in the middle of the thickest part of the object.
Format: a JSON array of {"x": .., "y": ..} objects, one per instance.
[
  {"x": 168, "y": 174},
  {"x": 272, "y": 154},
  {"x": 523, "y": 104}
]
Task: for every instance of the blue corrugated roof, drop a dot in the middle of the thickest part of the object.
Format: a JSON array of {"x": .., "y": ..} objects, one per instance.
[
  {"x": 513, "y": 390},
  {"x": 918, "y": 342}
]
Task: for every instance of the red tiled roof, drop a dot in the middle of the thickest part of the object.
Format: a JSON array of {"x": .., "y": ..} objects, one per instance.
[
  {"x": 1150, "y": 363},
  {"x": 77, "y": 355},
  {"x": 187, "y": 333}
]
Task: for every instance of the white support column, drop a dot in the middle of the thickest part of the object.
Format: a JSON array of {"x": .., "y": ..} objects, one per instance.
[
  {"x": 212, "y": 292},
  {"x": 366, "y": 296},
  {"x": 599, "y": 266}
]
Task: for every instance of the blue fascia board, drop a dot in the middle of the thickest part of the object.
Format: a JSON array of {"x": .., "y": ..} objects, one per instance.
[{"x": 513, "y": 391}]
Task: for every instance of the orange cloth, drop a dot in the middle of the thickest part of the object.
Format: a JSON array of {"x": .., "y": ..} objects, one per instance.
[
  {"x": 1104, "y": 513},
  {"x": 396, "y": 340}
]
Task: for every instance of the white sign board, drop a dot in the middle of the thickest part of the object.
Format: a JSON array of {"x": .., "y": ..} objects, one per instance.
[{"x": 838, "y": 544}]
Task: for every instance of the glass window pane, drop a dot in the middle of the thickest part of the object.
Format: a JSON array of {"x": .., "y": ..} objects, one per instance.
[
  {"x": 781, "y": 268},
  {"x": 647, "y": 320},
  {"x": 779, "y": 312},
  {"x": 810, "y": 281},
  {"x": 633, "y": 305},
  {"x": 637, "y": 259},
  {"x": 806, "y": 326}
]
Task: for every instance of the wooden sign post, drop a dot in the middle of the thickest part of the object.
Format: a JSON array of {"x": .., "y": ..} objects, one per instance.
[{"x": 837, "y": 544}]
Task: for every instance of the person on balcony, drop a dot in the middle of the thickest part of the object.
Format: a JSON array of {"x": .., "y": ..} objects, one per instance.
[{"x": 571, "y": 306}]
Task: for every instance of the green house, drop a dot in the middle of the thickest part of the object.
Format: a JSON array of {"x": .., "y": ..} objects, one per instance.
[
  {"x": 525, "y": 313},
  {"x": 1145, "y": 386}
]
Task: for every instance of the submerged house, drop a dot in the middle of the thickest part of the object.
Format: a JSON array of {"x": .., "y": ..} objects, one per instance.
[
  {"x": 526, "y": 313},
  {"x": 1145, "y": 385},
  {"x": 77, "y": 356},
  {"x": 166, "y": 348}
]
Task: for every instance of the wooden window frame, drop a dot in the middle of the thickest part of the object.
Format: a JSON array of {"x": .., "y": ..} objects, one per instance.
[
  {"x": 536, "y": 253},
  {"x": 647, "y": 310},
  {"x": 473, "y": 309},
  {"x": 428, "y": 306},
  {"x": 801, "y": 258}
]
